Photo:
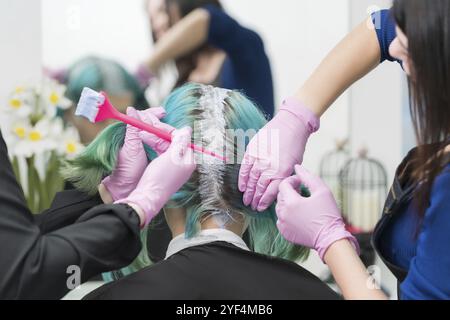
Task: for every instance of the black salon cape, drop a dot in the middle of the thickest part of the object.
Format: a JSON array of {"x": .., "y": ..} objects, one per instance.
[
  {"x": 218, "y": 271},
  {"x": 36, "y": 251}
]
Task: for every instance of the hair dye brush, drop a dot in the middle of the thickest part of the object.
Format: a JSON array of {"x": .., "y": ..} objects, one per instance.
[{"x": 96, "y": 107}]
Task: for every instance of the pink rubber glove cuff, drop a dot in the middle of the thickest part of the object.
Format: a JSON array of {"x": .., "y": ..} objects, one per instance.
[
  {"x": 272, "y": 154},
  {"x": 315, "y": 221},
  {"x": 332, "y": 235},
  {"x": 303, "y": 113},
  {"x": 164, "y": 176},
  {"x": 139, "y": 200},
  {"x": 112, "y": 189}
]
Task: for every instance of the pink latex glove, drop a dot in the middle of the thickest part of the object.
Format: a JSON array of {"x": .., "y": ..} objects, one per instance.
[
  {"x": 273, "y": 153},
  {"x": 313, "y": 222},
  {"x": 164, "y": 176},
  {"x": 132, "y": 159},
  {"x": 158, "y": 144}
]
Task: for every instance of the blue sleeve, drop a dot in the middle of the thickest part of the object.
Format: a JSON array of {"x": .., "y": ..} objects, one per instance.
[
  {"x": 227, "y": 34},
  {"x": 429, "y": 274},
  {"x": 386, "y": 33}
]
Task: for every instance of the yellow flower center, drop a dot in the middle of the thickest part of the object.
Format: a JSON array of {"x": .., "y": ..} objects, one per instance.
[
  {"x": 15, "y": 103},
  {"x": 35, "y": 136},
  {"x": 54, "y": 98},
  {"x": 19, "y": 90},
  {"x": 71, "y": 147},
  {"x": 20, "y": 132}
]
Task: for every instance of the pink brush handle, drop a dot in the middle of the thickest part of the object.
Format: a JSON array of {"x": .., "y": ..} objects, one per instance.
[
  {"x": 160, "y": 133},
  {"x": 144, "y": 126}
]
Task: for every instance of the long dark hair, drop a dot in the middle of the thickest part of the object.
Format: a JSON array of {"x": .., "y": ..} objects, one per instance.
[{"x": 427, "y": 26}]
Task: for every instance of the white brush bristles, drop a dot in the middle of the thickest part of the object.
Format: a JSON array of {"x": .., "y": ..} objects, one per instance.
[{"x": 88, "y": 106}]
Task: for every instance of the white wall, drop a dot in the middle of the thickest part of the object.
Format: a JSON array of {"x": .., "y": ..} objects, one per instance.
[
  {"x": 20, "y": 38},
  {"x": 116, "y": 29}
]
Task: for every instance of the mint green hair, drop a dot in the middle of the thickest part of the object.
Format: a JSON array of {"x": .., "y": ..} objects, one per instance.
[
  {"x": 102, "y": 74},
  {"x": 183, "y": 109}
]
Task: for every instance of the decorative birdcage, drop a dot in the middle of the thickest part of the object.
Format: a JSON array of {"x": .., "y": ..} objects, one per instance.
[
  {"x": 364, "y": 187},
  {"x": 331, "y": 166}
]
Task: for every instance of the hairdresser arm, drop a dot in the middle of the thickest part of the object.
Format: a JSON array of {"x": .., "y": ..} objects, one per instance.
[
  {"x": 298, "y": 116},
  {"x": 361, "y": 51},
  {"x": 354, "y": 57},
  {"x": 184, "y": 37},
  {"x": 350, "y": 274},
  {"x": 34, "y": 263}
]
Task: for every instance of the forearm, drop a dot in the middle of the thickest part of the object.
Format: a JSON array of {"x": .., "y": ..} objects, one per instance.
[
  {"x": 350, "y": 273},
  {"x": 105, "y": 195},
  {"x": 187, "y": 35},
  {"x": 354, "y": 57}
]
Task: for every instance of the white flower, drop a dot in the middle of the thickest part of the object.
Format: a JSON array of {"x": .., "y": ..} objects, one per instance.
[
  {"x": 15, "y": 130},
  {"x": 20, "y": 102},
  {"x": 31, "y": 140},
  {"x": 52, "y": 94},
  {"x": 69, "y": 145}
]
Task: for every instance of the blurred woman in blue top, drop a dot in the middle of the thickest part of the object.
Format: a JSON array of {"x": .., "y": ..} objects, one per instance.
[{"x": 210, "y": 47}]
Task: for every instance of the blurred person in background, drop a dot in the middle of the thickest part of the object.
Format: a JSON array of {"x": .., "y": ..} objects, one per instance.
[{"x": 206, "y": 46}]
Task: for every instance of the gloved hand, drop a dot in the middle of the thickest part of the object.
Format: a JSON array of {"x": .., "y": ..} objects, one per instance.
[
  {"x": 273, "y": 153},
  {"x": 313, "y": 222},
  {"x": 156, "y": 143},
  {"x": 164, "y": 176},
  {"x": 132, "y": 159}
]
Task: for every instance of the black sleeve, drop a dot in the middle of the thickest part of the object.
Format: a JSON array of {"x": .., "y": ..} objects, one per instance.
[
  {"x": 34, "y": 263},
  {"x": 67, "y": 207}
]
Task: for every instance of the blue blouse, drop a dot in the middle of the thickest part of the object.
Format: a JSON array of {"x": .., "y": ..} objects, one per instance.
[
  {"x": 247, "y": 67},
  {"x": 421, "y": 247},
  {"x": 386, "y": 33}
]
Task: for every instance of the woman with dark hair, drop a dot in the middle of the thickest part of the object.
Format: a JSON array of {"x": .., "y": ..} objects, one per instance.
[
  {"x": 413, "y": 237},
  {"x": 210, "y": 47}
]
